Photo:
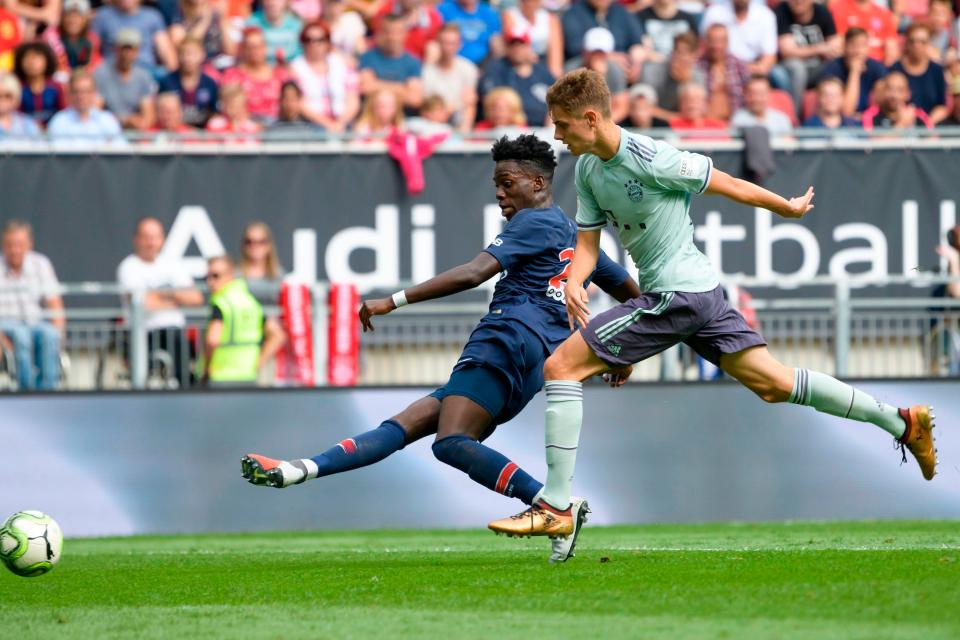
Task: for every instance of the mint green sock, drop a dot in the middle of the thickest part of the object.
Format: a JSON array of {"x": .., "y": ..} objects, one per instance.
[
  {"x": 561, "y": 436},
  {"x": 828, "y": 395}
]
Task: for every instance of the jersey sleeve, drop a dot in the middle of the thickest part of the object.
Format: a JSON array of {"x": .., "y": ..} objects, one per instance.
[
  {"x": 215, "y": 312},
  {"x": 589, "y": 215},
  {"x": 681, "y": 170},
  {"x": 519, "y": 240},
  {"x": 608, "y": 275}
]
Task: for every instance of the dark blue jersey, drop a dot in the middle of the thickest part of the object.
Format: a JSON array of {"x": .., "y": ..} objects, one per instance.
[{"x": 535, "y": 250}]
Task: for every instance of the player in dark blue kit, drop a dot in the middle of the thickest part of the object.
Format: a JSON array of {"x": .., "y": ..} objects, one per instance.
[{"x": 501, "y": 367}]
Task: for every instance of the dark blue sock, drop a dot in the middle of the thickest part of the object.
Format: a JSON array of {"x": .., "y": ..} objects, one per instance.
[
  {"x": 486, "y": 466},
  {"x": 362, "y": 450}
]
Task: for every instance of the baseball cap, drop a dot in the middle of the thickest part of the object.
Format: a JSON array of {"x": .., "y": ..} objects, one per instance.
[
  {"x": 128, "y": 37},
  {"x": 518, "y": 34},
  {"x": 598, "y": 39},
  {"x": 644, "y": 90},
  {"x": 80, "y": 6}
]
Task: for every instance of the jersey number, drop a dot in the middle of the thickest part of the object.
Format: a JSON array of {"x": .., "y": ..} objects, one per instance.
[{"x": 557, "y": 282}]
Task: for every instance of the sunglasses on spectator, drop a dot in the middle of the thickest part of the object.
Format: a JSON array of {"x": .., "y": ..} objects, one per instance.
[
  {"x": 253, "y": 241},
  {"x": 918, "y": 41},
  {"x": 314, "y": 39},
  {"x": 216, "y": 275}
]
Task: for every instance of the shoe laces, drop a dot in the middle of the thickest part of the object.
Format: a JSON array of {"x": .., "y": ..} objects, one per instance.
[{"x": 530, "y": 512}]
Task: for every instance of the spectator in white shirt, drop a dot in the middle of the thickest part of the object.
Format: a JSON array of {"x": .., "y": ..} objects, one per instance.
[
  {"x": 757, "y": 111},
  {"x": 168, "y": 288},
  {"x": 83, "y": 123},
  {"x": 752, "y": 28},
  {"x": 28, "y": 283}
]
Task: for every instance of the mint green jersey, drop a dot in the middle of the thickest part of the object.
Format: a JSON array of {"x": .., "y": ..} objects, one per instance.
[{"x": 644, "y": 191}]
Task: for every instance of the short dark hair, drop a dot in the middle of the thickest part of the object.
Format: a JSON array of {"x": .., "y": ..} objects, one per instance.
[
  {"x": 854, "y": 32},
  {"x": 528, "y": 150},
  {"x": 41, "y": 48},
  {"x": 290, "y": 84}
]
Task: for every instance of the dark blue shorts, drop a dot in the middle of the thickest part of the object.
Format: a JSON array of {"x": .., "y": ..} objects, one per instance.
[
  {"x": 501, "y": 369},
  {"x": 645, "y": 326}
]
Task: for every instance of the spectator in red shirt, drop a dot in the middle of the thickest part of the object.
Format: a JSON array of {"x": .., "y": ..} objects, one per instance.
[
  {"x": 34, "y": 65},
  {"x": 875, "y": 20},
  {"x": 693, "y": 111},
  {"x": 259, "y": 80},
  {"x": 423, "y": 22},
  {"x": 502, "y": 108},
  {"x": 893, "y": 109},
  {"x": 726, "y": 75},
  {"x": 234, "y": 118},
  {"x": 170, "y": 115},
  {"x": 73, "y": 43},
  {"x": 382, "y": 113}
]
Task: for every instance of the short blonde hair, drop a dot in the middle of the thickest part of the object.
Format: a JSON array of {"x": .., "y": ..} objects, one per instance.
[
  {"x": 579, "y": 90},
  {"x": 9, "y": 82},
  {"x": 512, "y": 98}
]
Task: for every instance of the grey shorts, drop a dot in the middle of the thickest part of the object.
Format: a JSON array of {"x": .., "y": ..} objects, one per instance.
[{"x": 643, "y": 327}]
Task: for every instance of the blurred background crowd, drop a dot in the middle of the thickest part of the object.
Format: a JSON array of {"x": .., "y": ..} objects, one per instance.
[{"x": 87, "y": 69}]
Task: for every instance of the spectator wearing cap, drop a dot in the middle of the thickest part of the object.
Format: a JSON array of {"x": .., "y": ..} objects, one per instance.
[
  {"x": 28, "y": 285},
  {"x": 35, "y": 64},
  {"x": 291, "y": 124},
  {"x": 479, "y": 28},
  {"x": 330, "y": 85},
  {"x": 259, "y": 80},
  {"x": 206, "y": 22},
  {"x": 597, "y": 48},
  {"x": 453, "y": 78},
  {"x": 693, "y": 111},
  {"x": 928, "y": 85},
  {"x": 682, "y": 68},
  {"x": 521, "y": 70},
  {"x": 12, "y": 123},
  {"x": 856, "y": 70},
  {"x": 546, "y": 32},
  {"x": 829, "y": 113},
  {"x": 155, "y": 50},
  {"x": 82, "y": 123},
  {"x": 626, "y": 30},
  {"x": 423, "y": 23},
  {"x": 726, "y": 75},
  {"x": 234, "y": 119},
  {"x": 127, "y": 89},
  {"x": 198, "y": 92},
  {"x": 953, "y": 117},
  {"x": 808, "y": 39},
  {"x": 281, "y": 29},
  {"x": 73, "y": 43},
  {"x": 751, "y": 30},
  {"x": 502, "y": 109},
  {"x": 389, "y": 66},
  {"x": 643, "y": 103},
  {"x": 662, "y": 22},
  {"x": 878, "y": 23},
  {"x": 893, "y": 109},
  {"x": 757, "y": 111}
]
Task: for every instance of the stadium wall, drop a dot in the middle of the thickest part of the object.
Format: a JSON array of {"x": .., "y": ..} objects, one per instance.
[
  {"x": 348, "y": 217},
  {"x": 110, "y": 464}
]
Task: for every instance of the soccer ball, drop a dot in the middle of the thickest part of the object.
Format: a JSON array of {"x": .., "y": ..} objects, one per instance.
[{"x": 30, "y": 543}]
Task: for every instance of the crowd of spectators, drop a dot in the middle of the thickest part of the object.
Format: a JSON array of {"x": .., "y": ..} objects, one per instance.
[{"x": 90, "y": 69}]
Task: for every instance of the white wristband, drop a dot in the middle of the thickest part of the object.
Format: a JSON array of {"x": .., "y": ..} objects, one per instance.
[{"x": 400, "y": 299}]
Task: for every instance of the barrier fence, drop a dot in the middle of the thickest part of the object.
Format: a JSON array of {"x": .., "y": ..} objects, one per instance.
[{"x": 842, "y": 327}]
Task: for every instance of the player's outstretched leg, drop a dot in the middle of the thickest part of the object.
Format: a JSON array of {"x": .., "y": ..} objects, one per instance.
[
  {"x": 462, "y": 423},
  {"x": 759, "y": 371},
  {"x": 418, "y": 420},
  {"x": 562, "y": 548}
]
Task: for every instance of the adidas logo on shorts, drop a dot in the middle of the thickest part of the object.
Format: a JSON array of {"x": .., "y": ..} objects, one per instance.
[{"x": 614, "y": 349}]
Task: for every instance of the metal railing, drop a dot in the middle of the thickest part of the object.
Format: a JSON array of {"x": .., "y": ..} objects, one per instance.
[{"x": 849, "y": 332}]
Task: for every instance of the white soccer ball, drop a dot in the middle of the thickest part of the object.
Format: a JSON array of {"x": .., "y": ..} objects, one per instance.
[{"x": 30, "y": 543}]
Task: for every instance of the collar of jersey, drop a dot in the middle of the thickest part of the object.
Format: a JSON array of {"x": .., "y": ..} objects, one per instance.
[{"x": 621, "y": 151}]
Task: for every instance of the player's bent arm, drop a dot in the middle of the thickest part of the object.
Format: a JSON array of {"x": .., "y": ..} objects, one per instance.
[
  {"x": 585, "y": 256},
  {"x": 744, "y": 192},
  {"x": 626, "y": 290},
  {"x": 461, "y": 278}
]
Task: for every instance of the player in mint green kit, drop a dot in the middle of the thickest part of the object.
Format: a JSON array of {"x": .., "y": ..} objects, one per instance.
[{"x": 642, "y": 187}]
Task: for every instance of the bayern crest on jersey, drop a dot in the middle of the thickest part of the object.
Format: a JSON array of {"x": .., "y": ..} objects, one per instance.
[{"x": 634, "y": 190}]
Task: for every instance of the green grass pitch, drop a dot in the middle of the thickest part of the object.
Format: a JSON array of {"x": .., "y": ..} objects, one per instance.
[{"x": 806, "y": 580}]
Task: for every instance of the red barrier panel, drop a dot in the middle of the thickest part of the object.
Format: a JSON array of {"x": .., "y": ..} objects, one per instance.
[
  {"x": 343, "y": 362},
  {"x": 295, "y": 360}
]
